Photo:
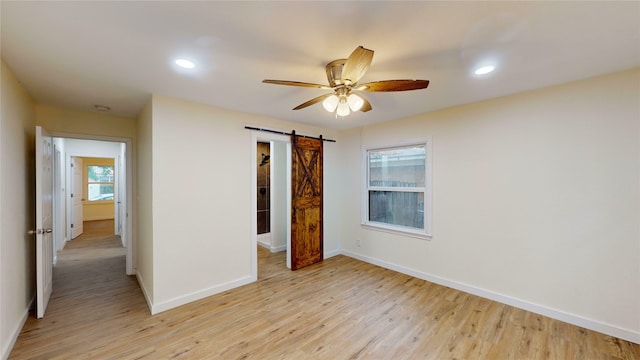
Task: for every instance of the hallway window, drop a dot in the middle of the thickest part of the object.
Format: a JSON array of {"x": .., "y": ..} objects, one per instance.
[{"x": 100, "y": 182}]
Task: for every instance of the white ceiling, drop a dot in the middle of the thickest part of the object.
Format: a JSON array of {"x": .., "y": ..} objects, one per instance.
[{"x": 77, "y": 54}]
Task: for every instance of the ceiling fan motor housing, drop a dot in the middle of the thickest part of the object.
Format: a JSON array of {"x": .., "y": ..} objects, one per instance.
[{"x": 334, "y": 72}]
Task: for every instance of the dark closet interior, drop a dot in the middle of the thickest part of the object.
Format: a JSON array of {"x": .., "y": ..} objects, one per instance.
[{"x": 263, "y": 154}]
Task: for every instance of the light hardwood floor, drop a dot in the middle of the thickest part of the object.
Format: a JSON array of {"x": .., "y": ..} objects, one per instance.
[{"x": 339, "y": 309}]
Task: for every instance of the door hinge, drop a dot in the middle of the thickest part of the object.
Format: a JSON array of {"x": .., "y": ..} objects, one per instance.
[
  {"x": 71, "y": 195},
  {"x": 72, "y": 225}
]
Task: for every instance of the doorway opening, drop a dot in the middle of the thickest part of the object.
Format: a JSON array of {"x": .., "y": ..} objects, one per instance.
[
  {"x": 271, "y": 190},
  {"x": 93, "y": 188},
  {"x": 92, "y": 184},
  {"x": 263, "y": 189},
  {"x": 53, "y": 201},
  {"x": 271, "y": 197}
]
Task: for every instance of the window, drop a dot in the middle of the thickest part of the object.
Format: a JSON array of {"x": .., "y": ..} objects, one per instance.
[
  {"x": 398, "y": 188},
  {"x": 100, "y": 182}
]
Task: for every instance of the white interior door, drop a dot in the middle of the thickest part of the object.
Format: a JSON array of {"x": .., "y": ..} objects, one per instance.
[
  {"x": 44, "y": 220},
  {"x": 76, "y": 197}
]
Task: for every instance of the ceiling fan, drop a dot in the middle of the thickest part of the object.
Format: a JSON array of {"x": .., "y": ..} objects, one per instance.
[{"x": 343, "y": 76}]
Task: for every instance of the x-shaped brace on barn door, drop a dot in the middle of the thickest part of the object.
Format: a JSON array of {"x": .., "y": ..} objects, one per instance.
[{"x": 308, "y": 173}]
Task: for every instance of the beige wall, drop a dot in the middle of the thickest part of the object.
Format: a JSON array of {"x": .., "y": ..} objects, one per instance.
[
  {"x": 144, "y": 200},
  {"x": 17, "y": 208},
  {"x": 535, "y": 200},
  {"x": 279, "y": 213},
  {"x": 84, "y": 122},
  {"x": 201, "y": 217}
]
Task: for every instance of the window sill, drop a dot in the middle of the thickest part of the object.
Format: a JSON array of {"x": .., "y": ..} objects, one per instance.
[
  {"x": 97, "y": 202},
  {"x": 396, "y": 230}
]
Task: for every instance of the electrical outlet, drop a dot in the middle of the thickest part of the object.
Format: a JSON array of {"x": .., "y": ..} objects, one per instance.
[{"x": 358, "y": 242}]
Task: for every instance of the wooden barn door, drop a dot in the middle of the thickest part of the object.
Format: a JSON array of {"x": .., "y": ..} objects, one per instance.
[{"x": 306, "y": 202}]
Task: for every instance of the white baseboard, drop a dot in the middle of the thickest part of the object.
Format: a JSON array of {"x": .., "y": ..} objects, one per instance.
[
  {"x": 275, "y": 249},
  {"x": 6, "y": 348},
  {"x": 577, "y": 320},
  {"x": 329, "y": 254},
  {"x": 264, "y": 240},
  {"x": 94, "y": 218},
  {"x": 181, "y": 300},
  {"x": 144, "y": 292}
]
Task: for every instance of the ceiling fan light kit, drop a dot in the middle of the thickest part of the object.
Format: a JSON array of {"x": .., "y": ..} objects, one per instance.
[
  {"x": 343, "y": 108},
  {"x": 331, "y": 103},
  {"x": 343, "y": 104},
  {"x": 355, "y": 102},
  {"x": 343, "y": 76}
]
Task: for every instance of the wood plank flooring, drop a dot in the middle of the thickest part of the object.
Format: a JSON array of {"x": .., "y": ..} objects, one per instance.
[{"x": 339, "y": 309}]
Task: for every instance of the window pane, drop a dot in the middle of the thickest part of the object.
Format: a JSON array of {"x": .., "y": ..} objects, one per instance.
[
  {"x": 100, "y": 173},
  {"x": 100, "y": 192},
  {"x": 397, "y": 208},
  {"x": 397, "y": 167}
]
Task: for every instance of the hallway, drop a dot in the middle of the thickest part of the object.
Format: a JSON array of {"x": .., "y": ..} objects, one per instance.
[
  {"x": 93, "y": 262},
  {"x": 90, "y": 288}
]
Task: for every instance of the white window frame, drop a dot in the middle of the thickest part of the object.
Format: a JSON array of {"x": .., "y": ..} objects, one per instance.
[
  {"x": 425, "y": 233},
  {"x": 112, "y": 183}
]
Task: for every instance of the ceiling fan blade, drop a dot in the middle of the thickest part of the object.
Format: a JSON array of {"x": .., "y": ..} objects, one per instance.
[
  {"x": 394, "y": 85},
  {"x": 356, "y": 65},
  {"x": 312, "y": 101},
  {"x": 366, "y": 106},
  {"x": 296, "y": 83}
]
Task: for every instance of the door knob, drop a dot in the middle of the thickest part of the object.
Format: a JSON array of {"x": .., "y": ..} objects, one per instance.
[{"x": 40, "y": 231}]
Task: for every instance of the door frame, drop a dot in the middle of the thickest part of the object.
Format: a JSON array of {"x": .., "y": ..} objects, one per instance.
[
  {"x": 58, "y": 198},
  {"x": 71, "y": 189},
  {"x": 131, "y": 240},
  {"x": 266, "y": 137}
]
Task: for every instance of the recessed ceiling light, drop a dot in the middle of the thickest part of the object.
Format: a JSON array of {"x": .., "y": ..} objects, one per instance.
[
  {"x": 484, "y": 70},
  {"x": 185, "y": 64},
  {"x": 102, "y": 108}
]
